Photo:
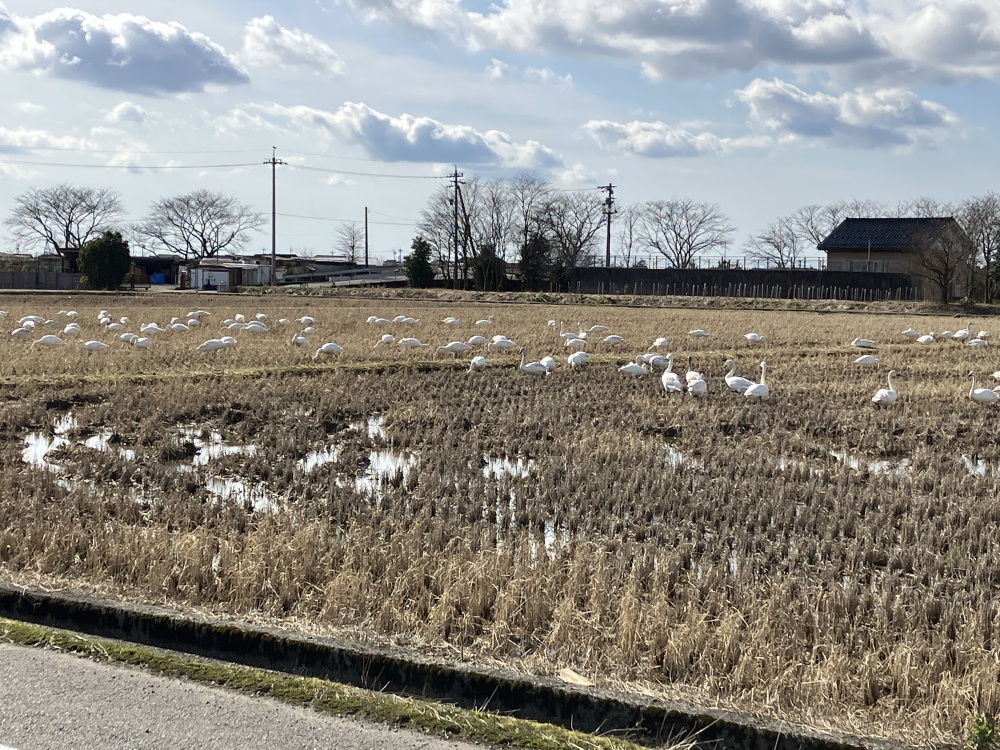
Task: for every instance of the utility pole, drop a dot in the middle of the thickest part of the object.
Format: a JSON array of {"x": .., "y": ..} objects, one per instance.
[
  {"x": 609, "y": 211},
  {"x": 274, "y": 162},
  {"x": 366, "y": 236},
  {"x": 454, "y": 202}
]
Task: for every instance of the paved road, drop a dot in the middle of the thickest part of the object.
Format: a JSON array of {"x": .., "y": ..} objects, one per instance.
[{"x": 50, "y": 700}]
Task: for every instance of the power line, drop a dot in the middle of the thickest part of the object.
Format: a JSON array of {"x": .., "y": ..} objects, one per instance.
[
  {"x": 117, "y": 150},
  {"x": 347, "y": 221},
  {"x": 372, "y": 174},
  {"x": 126, "y": 166},
  {"x": 389, "y": 216}
]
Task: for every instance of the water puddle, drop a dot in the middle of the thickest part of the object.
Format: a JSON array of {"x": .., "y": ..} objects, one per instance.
[
  {"x": 384, "y": 467},
  {"x": 497, "y": 468},
  {"x": 315, "y": 459},
  {"x": 374, "y": 426},
  {"x": 678, "y": 460},
  {"x": 235, "y": 490},
  {"x": 899, "y": 468},
  {"x": 213, "y": 447},
  {"x": 980, "y": 467}
]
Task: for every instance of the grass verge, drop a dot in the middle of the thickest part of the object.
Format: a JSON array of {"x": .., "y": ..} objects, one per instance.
[{"x": 319, "y": 695}]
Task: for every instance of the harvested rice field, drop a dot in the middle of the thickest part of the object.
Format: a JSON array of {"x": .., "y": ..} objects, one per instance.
[{"x": 807, "y": 556}]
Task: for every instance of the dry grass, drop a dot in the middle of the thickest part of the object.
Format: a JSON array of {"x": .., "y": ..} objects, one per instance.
[{"x": 807, "y": 557}]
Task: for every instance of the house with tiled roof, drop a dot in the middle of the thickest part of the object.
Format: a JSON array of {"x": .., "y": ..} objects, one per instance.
[{"x": 935, "y": 252}]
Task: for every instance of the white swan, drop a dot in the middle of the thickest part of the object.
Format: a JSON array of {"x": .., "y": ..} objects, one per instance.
[
  {"x": 504, "y": 345},
  {"x": 866, "y": 360},
  {"x": 981, "y": 395},
  {"x": 927, "y": 338},
  {"x": 387, "y": 338},
  {"x": 477, "y": 363},
  {"x": 691, "y": 375},
  {"x": 734, "y": 382},
  {"x": 759, "y": 390},
  {"x": 598, "y": 329},
  {"x": 863, "y": 343},
  {"x": 753, "y": 338},
  {"x": 660, "y": 342},
  {"x": 93, "y": 346},
  {"x": 306, "y": 320},
  {"x": 671, "y": 383},
  {"x": 698, "y": 333},
  {"x": 487, "y": 322},
  {"x": 549, "y": 362},
  {"x": 885, "y": 397},
  {"x": 144, "y": 342},
  {"x": 477, "y": 341},
  {"x": 299, "y": 340},
  {"x": 213, "y": 345},
  {"x": 532, "y": 368},
  {"x": 565, "y": 335},
  {"x": 575, "y": 344},
  {"x": 48, "y": 340},
  {"x": 455, "y": 347},
  {"x": 697, "y": 388},
  {"x": 634, "y": 368},
  {"x": 911, "y": 334},
  {"x": 578, "y": 360},
  {"x": 613, "y": 340},
  {"x": 976, "y": 343},
  {"x": 328, "y": 349},
  {"x": 452, "y": 321},
  {"x": 963, "y": 333},
  {"x": 373, "y": 320},
  {"x": 411, "y": 343}
]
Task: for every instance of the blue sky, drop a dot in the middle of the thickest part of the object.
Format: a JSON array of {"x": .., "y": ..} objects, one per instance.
[{"x": 760, "y": 106}]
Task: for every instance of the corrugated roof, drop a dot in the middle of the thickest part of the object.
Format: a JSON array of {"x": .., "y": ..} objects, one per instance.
[{"x": 883, "y": 234}]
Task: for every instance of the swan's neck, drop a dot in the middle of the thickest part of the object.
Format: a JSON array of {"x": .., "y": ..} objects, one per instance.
[
  {"x": 523, "y": 360},
  {"x": 670, "y": 363},
  {"x": 763, "y": 374},
  {"x": 732, "y": 370},
  {"x": 973, "y": 383},
  {"x": 891, "y": 386}
]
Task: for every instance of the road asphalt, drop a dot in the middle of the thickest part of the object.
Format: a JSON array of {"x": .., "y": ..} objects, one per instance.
[{"x": 53, "y": 701}]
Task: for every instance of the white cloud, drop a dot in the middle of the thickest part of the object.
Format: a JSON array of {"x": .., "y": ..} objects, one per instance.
[
  {"x": 547, "y": 75},
  {"x": 18, "y": 140},
  {"x": 858, "y": 40},
  {"x": 408, "y": 138},
  {"x": 120, "y": 52},
  {"x": 127, "y": 112},
  {"x": 882, "y": 118},
  {"x": 266, "y": 43},
  {"x": 497, "y": 69},
  {"x": 30, "y": 108},
  {"x": 659, "y": 140}
]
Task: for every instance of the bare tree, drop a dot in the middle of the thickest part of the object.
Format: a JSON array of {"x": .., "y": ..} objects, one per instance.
[
  {"x": 778, "y": 244},
  {"x": 924, "y": 207},
  {"x": 571, "y": 221},
  {"x": 627, "y": 232},
  {"x": 64, "y": 217},
  {"x": 437, "y": 228},
  {"x": 682, "y": 229},
  {"x": 200, "y": 224},
  {"x": 944, "y": 255},
  {"x": 814, "y": 223},
  {"x": 980, "y": 218},
  {"x": 350, "y": 240},
  {"x": 527, "y": 195}
]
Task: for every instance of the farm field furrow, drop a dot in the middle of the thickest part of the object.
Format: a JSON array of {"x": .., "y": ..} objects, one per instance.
[{"x": 808, "y": 556}]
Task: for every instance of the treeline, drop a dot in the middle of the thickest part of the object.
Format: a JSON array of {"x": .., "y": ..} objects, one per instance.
[{"x": 472, "y": 232}]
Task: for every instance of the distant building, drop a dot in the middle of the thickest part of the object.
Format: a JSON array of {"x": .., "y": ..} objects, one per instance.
[{"x": 935, "y": 252}]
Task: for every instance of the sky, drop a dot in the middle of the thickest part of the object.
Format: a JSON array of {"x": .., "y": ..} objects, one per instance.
[{"x": 759, "y": 106}]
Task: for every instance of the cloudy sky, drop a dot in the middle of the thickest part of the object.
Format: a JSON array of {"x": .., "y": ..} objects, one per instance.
[{"x": 760, "y": 106}]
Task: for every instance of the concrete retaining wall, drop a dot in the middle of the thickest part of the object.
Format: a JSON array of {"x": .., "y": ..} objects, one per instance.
[{"x": 538, "y": 699}]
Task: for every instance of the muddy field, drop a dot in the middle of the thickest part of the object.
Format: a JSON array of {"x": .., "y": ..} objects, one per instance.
[{"x": 807, "y": 556}]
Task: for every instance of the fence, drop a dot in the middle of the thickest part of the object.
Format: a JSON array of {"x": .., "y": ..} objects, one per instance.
[
  {"x": 773, "y": 283},
  {"x": 40, "y": 280}
]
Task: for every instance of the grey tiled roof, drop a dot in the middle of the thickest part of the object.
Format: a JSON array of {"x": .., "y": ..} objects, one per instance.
[{"x": 884, "y": 234}]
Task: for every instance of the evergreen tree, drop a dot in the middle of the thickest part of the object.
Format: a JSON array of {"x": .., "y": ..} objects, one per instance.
[
  {"x": 105, "y": 261},
  {"x": 419, "y": 272},
  {"x": 534, "y": 258}
]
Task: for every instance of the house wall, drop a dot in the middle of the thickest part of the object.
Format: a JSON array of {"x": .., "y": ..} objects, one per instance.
[{"x": 861, "y": 261}]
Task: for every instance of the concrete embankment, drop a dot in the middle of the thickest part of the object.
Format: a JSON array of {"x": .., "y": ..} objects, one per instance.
[{"x": 536, "y": 698}]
